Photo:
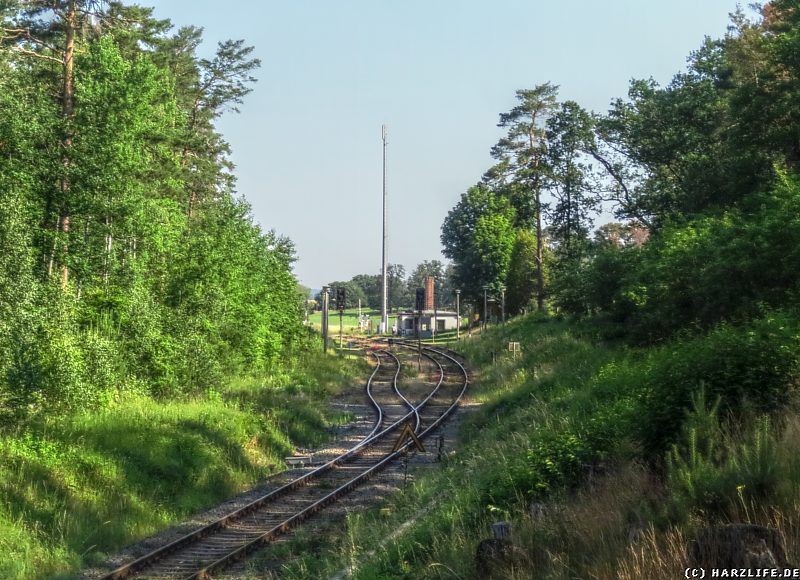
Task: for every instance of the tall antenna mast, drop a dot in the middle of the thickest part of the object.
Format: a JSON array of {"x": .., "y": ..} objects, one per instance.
[{"x": 384, "y": 326}]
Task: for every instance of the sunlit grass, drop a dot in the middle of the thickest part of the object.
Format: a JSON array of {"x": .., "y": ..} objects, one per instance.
[
  {"x": 554, "y": 450},
  {"x": 78, "y": 487}
]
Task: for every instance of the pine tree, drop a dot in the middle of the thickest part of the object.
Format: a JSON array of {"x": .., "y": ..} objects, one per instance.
[{"x": 521, "y": 158}]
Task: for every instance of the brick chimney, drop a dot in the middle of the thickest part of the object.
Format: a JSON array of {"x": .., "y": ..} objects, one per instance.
[{"x": 429, "y": 293}]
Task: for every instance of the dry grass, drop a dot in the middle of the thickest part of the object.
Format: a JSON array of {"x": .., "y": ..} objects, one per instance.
[
  {"x": 585, "y": 536},
  {"x": 601, "y": 534},
  {"x": 655, "y": 555}
]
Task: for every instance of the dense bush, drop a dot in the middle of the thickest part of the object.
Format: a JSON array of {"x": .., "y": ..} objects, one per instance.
[
  {"x": 142, "y": 268},
  {"x": 726, "y": 266},
  {"x": 752, "y": 367},
  {"x": 609, "y": 281}
]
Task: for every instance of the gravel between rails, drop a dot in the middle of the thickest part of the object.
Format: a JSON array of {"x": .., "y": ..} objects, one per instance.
[{"x": 371, "y": 495}]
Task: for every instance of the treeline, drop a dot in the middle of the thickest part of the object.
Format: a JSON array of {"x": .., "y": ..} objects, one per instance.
[
  {"x": 687, "y": 420},
  {"x": 127, "y": 261},
  {"x": 698, "y": 287},
  {"x": 703, "y": 174},
  {"x": 400, "y": 288}
]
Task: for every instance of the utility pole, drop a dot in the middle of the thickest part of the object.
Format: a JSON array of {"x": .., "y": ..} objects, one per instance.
[
  {"x": 420, "y": 304},
  {"x": 458, "y": 314},
  {"x": 435, "y": 312},
  {"x": 503, "y": 307},
  {"x": 384, "y": 326},
  {"x": 485, "y": 309}
]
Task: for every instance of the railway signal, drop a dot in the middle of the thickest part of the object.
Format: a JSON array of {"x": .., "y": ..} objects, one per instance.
[
  {"x": 420, "y": 303},
  {"x": 341, "y": 299},
  {"x": 325, "y": 295},
  {"x": 458, "y": 314}
]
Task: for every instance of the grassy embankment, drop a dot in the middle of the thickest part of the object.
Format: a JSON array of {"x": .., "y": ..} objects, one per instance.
[
  {"x": 77, "y": 487},
  {"x": 605, "y": 458}
]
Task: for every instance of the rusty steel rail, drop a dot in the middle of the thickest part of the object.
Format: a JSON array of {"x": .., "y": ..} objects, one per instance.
[
  {"x": 132, "y": 568},
  {"x": 444, "y": 353},
  {"x": 269, "y": 536},
  {"x": 375, "y": 435}
]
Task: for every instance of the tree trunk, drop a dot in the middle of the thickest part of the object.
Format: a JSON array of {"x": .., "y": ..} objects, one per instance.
[
  {"x": 64, "y": 267},
  {"x": 539, "y": 240},
  {"x": 67, "y": 108},
  {"x": 108, "y": 249},
  {"x": 51, "y": 260},
  {"x": 192, "y": 202},
  {"x": 568, "y": 192},
  {"x": 539, "y": 255}
]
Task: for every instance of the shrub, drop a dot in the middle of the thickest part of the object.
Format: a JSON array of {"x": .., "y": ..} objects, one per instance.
[
  {"x": 720, "y": 267},
  {"x": 724, "y": 473},
  {"x": 752, "y": 367}
]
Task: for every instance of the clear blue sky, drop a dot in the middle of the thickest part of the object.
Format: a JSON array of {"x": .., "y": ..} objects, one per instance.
[{"x": 438, "y": 72}]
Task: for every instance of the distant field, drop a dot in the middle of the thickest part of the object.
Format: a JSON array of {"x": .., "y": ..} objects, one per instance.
[
  {"x": 350, "y": 324},
  {"x": 349, "y": 320}
]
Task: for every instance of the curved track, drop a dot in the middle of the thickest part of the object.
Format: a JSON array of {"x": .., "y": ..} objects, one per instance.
[{"x": 234, "y": 537}]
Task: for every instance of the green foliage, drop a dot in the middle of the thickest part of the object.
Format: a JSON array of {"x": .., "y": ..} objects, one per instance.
[
  {"x": 370, "y": 285},
  {"x": 492, "y": 243},
  {"x": 569, "y": 286},
  {"x": 730, "y": 266},
  {"x": 707, "y": 164},
  {"x": 608, "y": 290},
  {"x": 366, "y": 288},
  {"x": 551, "y": 464},
  {"x": 159, "y": 296},
  {"x": 80, "y": 485},
  {"x": 724, "y": 473},
  {"x": 478, "y": 236},
  {"x": 569, "y": 136},
  {"x": 520, "y": 282},
  {"x": 572, "y": 410},
  {"x": 56, "y": 366},
  {"x": 132, "y": 283},
  {"x": 354, "y": 293},
  {"x": 752, "y": 367},
  {"x": 429, "y": 268}
]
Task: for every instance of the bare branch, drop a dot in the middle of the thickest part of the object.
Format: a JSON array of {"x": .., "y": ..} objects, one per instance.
[
  {"x": 24, "y": 34},
  {"x": 35, "y": 54},
  {"x": 15, "y": 32},
  {"x": 612, "y": 172}
]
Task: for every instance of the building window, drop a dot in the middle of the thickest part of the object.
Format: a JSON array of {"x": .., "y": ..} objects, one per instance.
[{"x": 440, "y": 325}]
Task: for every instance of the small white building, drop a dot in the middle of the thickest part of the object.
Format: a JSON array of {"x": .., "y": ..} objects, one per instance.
[{"x": 442, "y": 320}]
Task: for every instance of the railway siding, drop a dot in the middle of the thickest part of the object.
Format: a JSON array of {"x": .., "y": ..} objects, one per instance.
[{"x": 301, "y": 493}]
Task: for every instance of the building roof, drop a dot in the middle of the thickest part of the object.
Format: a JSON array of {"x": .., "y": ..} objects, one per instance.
[{"x": 443, "y": 313}]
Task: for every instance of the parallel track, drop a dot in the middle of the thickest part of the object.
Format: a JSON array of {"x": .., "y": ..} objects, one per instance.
[{"x": 236, "y": 536}]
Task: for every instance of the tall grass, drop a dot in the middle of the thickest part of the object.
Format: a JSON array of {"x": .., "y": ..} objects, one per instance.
[
  {"x": 77, "y": 487},
  {"x": 606, "y": 459}
]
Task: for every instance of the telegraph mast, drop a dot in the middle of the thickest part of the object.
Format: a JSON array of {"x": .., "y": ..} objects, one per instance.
[{"x": 384, "y": 326}]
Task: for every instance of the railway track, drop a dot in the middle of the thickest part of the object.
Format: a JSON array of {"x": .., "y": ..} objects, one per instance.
[{"x": 236, "y": 536}]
